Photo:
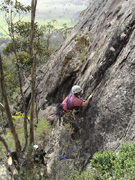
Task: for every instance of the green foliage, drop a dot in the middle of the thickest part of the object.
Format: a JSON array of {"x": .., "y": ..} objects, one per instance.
[
  {"x": 10, "y": 48},
  {"x": 22, "y": 29},
  {"x": 13, "y": 11},
  {"x": 125, "y": 165},
  {"x": 33, "y": 173},
  {"x": 42, "y": 132},
  {"x": 18, "y": 116},
  {"x": 18, "y": 51},
  {"x": 106, "y": 165},
  {"x": 24, "y": 58},
  {"x": 21, "y": 40},
  {"x": 48, "y": 31},
  {"x": 65, "y": 31},
  {"x": 80, "y": 175},
  {"x": 11, "y": 79},
  {"x": 13, "y": 7},
  {"x": 109, "y": 165},
  {"x": 103, "y": 161}
]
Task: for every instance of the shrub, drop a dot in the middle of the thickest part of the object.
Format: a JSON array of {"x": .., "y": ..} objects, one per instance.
[
  {"x": 104, "y": 162},
  {"x": 109, "y": 165},
  {"x": 124, "y": 167}
]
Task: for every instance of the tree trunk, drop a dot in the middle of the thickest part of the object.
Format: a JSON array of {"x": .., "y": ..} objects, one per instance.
[
  {"x": 19, "y": 71},
  {"x": 33, "y": 71},
  {"x": 7, "y": 109},
  {"x": 4, "y": 142},
  {"x": 23, "y": 99},
  {"x": 1, "y": 105}
]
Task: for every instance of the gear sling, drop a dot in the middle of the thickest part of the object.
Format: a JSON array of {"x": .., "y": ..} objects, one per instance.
[{"x": 59, "y": 109}]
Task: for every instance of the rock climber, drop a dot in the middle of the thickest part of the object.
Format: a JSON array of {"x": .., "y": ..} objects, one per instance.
[
  {"x": 39, "y": 155},
  {"x": 74, "y": 100}
]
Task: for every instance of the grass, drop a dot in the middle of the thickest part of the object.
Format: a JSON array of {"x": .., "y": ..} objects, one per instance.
[
  {"x": 2, "y": 24},
  {"x": 47, "y": 10},
  {"x": 43, "y": 127}
]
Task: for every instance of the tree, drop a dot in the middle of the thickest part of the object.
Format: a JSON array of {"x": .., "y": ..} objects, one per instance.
[
  {"x": 4, "y": 142},
  {"x": 33, "y": 70},
  {"x": 14, "y": 47},
  {"x": 22, "y": 38},
  {"x": 65, "y": 31},
  {"x": 25, "y": 53},
  {"x": 48, "y": 30},
  {"x": 8, "y": 113},
  {"x": 19, "y": 57},
  {"x": 12, "y": 9}
]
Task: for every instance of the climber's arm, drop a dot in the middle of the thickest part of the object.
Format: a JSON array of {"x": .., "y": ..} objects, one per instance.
[{"x": 85, "y": 103}]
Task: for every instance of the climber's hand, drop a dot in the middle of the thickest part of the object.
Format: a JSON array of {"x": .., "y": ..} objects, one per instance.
[{"x": 90, "y": 97}]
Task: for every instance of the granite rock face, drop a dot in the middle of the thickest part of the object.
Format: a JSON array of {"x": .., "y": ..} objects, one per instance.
[{"x": 98, "y": 55}]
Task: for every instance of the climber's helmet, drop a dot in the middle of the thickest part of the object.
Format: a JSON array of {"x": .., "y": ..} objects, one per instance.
[
  {"x": 35, "y": 147},
  {"x": 76, "y": 89}
]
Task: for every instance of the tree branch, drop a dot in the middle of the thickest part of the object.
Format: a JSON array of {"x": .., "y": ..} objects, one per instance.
[
  {"x": 4, "y": 142},
  {"x": 1, "y": 105}
]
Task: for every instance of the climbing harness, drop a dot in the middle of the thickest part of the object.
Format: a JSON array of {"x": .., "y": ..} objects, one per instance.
[
  {"x": 59, "y": 108},
  {"x": 59, "y": 112},
  {"x": 68, "y": 101}
]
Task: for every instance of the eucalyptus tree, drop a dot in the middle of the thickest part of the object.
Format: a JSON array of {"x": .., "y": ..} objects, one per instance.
[
  {"x": 7, "y": 109},
  {"x": 13, "y": 11},
  {"x": 22, "y": 38},
  {"x": 48, "y": 31},
  {"x": 22, "y": 46},
  {"x": 65, "y": 30},
  {"x": 33, "y": 70}
]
